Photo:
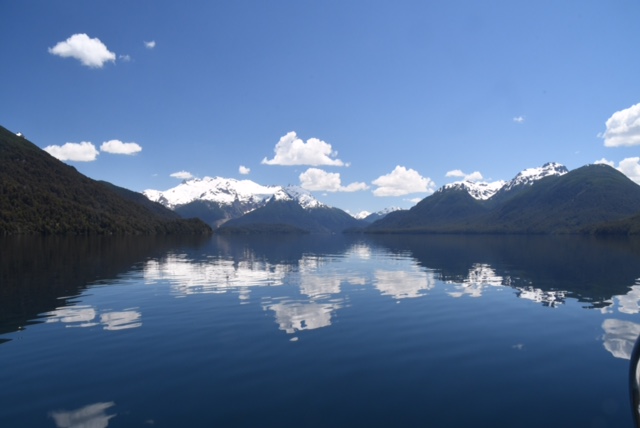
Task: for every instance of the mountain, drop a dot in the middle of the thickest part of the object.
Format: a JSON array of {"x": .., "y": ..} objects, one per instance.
[
  {"x": 40, "y": 194},
  {"x": 538, "y": 200},
  {"x": 214, "y": 200},
  {"x": 292, "y": 210},
  {"x": 371, "y": 217}
]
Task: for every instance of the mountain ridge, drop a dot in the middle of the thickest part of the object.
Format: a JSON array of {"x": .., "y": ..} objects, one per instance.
[{"x": 42, "y": 195}]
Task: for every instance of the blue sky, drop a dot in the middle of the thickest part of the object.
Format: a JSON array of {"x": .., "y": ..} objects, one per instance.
[{"x": 369, "y": 104}]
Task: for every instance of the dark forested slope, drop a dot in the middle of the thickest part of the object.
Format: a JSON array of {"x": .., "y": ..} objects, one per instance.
[{"x": 40, "y": 194}]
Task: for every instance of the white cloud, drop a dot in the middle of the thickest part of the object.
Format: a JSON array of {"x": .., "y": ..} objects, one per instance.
[
  {"x": 78, "y": 152},
  {"x": 291, "y": 150},
  {"x": 629, "y": 167},
  {"x": 182, "y": 175},
  {"x": 623, "y": 128},
  {"x": 474, "y": 176},
  {"x": 244, "y": 170},
  {"x": 316, "y": 179},
  {"x": 90, "y": 52},
  {"x": 117, "y": 147},
  {"x": 124, "y": 58},
  {"x": 455, "y": 173},
  {"x": 402, "y": 181},
  {"x": 150, "y": 45},
  {"x": 414, "y": 200},
  {"x": 605, "y": 162},
  {"x": 518, "y": 119}
]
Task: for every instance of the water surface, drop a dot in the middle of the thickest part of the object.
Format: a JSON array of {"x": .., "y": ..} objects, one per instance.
[{"x": 318, "y": 331}]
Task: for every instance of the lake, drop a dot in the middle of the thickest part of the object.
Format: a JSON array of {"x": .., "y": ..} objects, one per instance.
[{"x": 319, "y": 331}]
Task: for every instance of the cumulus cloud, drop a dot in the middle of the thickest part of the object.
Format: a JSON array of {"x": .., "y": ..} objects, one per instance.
[
  {"x": 474, "y": 176},
  {"x": 402, "y": 181},
  {"x": 518, "y": 119},
  {"x": 117, "y": 147},
  {"x": 605, "y": 162},
  {"x": 291, "y": 150},
  {"x": 78, "y": 152},
  {"x": 623, "y": 128},
  {"x": 244, "y": 170},
  {"x": 182, "y": 175},
  {"x": 90, "y": 52},
  {"x": 316, "y": 179},
  {"x": 150, "y": 45},
  {"x": 629, "y": 167},
  {"x": 124, "y": 58}
]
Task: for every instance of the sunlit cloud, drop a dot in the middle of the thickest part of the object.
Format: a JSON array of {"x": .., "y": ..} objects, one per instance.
[
  {"x": 628, "y": 166},
  {"x": 623, "y": 128},
  {"x": 244, "y": 170},
  {"x": 90, "y": 52},
  {"x": 291, "y": 150},
  {"x": 150, "y": 45},
  {"x": 474, "y": 176},
  {"x": 316, "y": 179},
  {"x": 402, "y": 181},
  {"x": 117, "y": 147},
  {"x": 124, "y": 58},
  {"x": 518, "y": 119},
  {"x": 181, "y": 175},
  {"x": 77, "y": 152}
]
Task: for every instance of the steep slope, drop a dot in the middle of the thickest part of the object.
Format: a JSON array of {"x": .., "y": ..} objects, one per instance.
[
  {"x": 525, "y": 179},
  {"x": 447, "y": 210},
  {"x": 292, "y": 210},
  {"x": 585, "y": 196},
  {"x": 40, "y": 194}
]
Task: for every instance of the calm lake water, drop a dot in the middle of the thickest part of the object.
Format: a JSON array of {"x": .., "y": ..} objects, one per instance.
[{"x": 318, "y": 331}]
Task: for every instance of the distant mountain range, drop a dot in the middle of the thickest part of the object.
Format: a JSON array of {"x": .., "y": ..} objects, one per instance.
[
  {"x": 546, "y": 200},
  {"x": 41, "y": 195},
  {"x": 243, "y": 206}
]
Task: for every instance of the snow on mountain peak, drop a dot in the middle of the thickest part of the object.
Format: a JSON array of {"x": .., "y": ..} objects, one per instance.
[
  {"x": 224, "y": 191},
  {"x": 483, "y": 190},
  {"x": 296, "y": 193},
  {"x": 480, "y": 190},
  {"x": 531, "y": 175}
]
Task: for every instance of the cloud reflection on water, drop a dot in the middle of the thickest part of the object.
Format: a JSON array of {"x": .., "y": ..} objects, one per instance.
[
  {"x": 87, "y": 316},
  {"x": 90, "y": 416}
]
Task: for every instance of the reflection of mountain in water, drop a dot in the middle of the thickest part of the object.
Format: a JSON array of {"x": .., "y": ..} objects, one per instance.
[
  {"x": 40, "y": 274},
  {"x": 589, "y": 269}
]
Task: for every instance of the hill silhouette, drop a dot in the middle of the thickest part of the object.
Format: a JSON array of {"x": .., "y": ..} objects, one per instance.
[{"x": 41, "y": 195}]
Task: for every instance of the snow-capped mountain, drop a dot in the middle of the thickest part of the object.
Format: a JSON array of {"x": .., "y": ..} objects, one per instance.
[
  {"x": 531, "y": 175},
  {"x": 296, "y": 193},
  {"x": 481, "y": 190},
  {"x": 371, "y": 217},
  {"x": 224, "y": 191},
  {"x": 217, "y": 200}
]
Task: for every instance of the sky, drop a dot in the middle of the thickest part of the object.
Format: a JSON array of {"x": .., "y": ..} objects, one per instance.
[{"x": 367, "y": 104}]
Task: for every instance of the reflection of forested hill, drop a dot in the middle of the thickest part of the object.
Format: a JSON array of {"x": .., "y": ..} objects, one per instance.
[
  {"x": 591, "y": 269},
  {"x": 40, "y": 274}
]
